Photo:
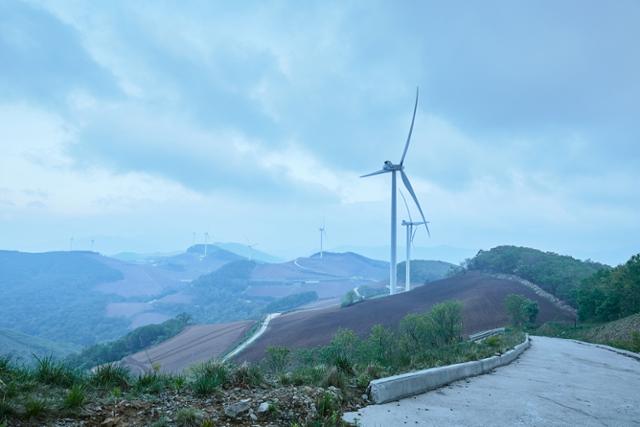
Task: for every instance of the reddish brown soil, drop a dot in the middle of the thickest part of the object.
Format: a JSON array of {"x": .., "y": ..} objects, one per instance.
[
  {"x": 482, "y": 297},
  {"x": 195, "y": 344}
]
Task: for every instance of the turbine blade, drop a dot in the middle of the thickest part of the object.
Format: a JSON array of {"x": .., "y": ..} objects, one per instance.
[
  {"x": 374, "y": 173},
  {"x": 406, "y": 206},
  {"x": 407, "y": 184},
  {"x": 413, "y": 119}
]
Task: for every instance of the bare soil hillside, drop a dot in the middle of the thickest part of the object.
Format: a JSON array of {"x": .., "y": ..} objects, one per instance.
[
  {"x": 195, "y": 344},
  {"x": 482, "y": 297}
]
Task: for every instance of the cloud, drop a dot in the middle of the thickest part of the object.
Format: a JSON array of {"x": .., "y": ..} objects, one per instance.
[
  {"x": 43, "y": 59},
  {"x": 526, "y": 129}
]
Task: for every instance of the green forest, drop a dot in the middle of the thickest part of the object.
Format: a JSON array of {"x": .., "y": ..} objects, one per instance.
[
  {"x": 136, "y": 340},
  {"x": 611, "y": 294},
  {"x": 560, "y": 275},
  {"x": 63, "y": 305}
]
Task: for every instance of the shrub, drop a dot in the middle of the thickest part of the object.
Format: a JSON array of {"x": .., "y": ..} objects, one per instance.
[
  {"x": 327, "y": 404},
  {"x": 277, "y": 358},
  {"x": 111, "y": 375},
  {"x": 152, "y": 382},
  {"x": 521, "y": 310},
  {"x": 334, "y": 377},
  {"x": 247, "y": 375},
  {"x": 75, "y": 397},
  {"x": 350, "y": 298}
]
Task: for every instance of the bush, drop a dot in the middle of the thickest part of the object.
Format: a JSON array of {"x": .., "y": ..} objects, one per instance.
[
  {"x": 277, "y": 358},
  {"x": 350, "y": 298},
  {"x": 247, "y": 375},
  {"x": 522, "y": 311},
  {"x": 209, "y": 376}
]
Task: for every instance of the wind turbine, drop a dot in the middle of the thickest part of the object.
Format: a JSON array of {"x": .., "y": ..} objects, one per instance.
[
  {"x": 323, "y": 233},
  {"x": 206, "y": 243},
  {"x": 71, "y": 244},
  {"x": 411, "y": 233},
  {"x": 250, "y": 246},
  {"x": 389, "y": 167}
]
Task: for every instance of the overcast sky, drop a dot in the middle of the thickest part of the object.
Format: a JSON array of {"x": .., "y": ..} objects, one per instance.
[{"x": 139, "y": 123}]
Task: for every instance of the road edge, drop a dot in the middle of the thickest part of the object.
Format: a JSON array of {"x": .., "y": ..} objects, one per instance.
[{"x": 396, "y": 387}]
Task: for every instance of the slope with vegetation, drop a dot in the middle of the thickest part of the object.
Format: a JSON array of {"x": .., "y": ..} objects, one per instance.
[
  {"x": 305, "y": 387},
  {"x": 52, "y": 295},
  {"x": 136, "y": 340},
  {"x": 611, "y": 294},
  {"x": 559, "y": 275},
  {"x": 23, "y": 346}
]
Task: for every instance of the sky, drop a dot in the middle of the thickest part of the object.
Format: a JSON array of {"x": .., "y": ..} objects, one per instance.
[{"x": 137, "y": 124}]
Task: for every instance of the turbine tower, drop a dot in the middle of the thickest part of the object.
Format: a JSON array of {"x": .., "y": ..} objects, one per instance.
[
  {"x": 411, "y": 233},
  {"x": 323, "y": 232},
  {"x": 206, "y": 243},
  {"x": 71, "y": 244},
  {"x": 389, "y": 167}
]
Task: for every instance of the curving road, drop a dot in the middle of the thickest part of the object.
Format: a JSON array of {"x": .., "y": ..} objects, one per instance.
[
  {"x": 555, "y": 383},
  {"x": 252, "y": 338}
]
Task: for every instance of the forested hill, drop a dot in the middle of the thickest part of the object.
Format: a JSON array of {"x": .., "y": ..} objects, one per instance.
[{"x": 559, "y": 275}]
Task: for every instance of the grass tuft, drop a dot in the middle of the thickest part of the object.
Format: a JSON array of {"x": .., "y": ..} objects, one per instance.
[
  {"x": 188, "y": 417},
  {"x": 75, "y": 397},
  {"x": 51, "y": 372},
  {"x": 111, "y": 375}
]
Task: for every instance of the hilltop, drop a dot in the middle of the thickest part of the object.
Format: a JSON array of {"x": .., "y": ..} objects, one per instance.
[{"x": 557, "y": 274}]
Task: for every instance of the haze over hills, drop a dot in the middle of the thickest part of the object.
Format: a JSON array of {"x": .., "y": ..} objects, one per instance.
[
  {"x": 451, "y": 254},
  {"x": 83, "y": 297}
]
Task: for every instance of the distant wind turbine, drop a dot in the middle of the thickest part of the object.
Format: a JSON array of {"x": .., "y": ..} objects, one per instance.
[
  {"x": 206, "y": 243},
  {"x": 411, "y": 232},
  {"x": 389, "y": 167},
  {"x": 323, "y": 233},
  {"x": 250, "y": 246},
  {"x": 71, "y": 244}
]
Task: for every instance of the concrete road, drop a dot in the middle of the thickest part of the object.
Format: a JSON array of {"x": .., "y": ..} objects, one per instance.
[{"x": 555, "y": 383}]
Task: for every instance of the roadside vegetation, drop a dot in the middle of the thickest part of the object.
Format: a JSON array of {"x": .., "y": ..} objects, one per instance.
[
  {"x": 421, "y": 341},
  {"x": 329, "y": 379},
  {"x": 623, "y": 333}
]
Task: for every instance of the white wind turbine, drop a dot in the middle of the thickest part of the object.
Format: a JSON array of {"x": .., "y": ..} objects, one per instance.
[
  {"x": 323, "y": 233},
  {"x": 411, "y": 233},
  {"x": 389, "y": 167},
  {"x": 206, "y": 243}
]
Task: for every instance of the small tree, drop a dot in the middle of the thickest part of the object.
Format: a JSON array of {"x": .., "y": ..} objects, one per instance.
[
  {"x": 350, "y": 298},
  {"x": 521, "y": 310}
]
